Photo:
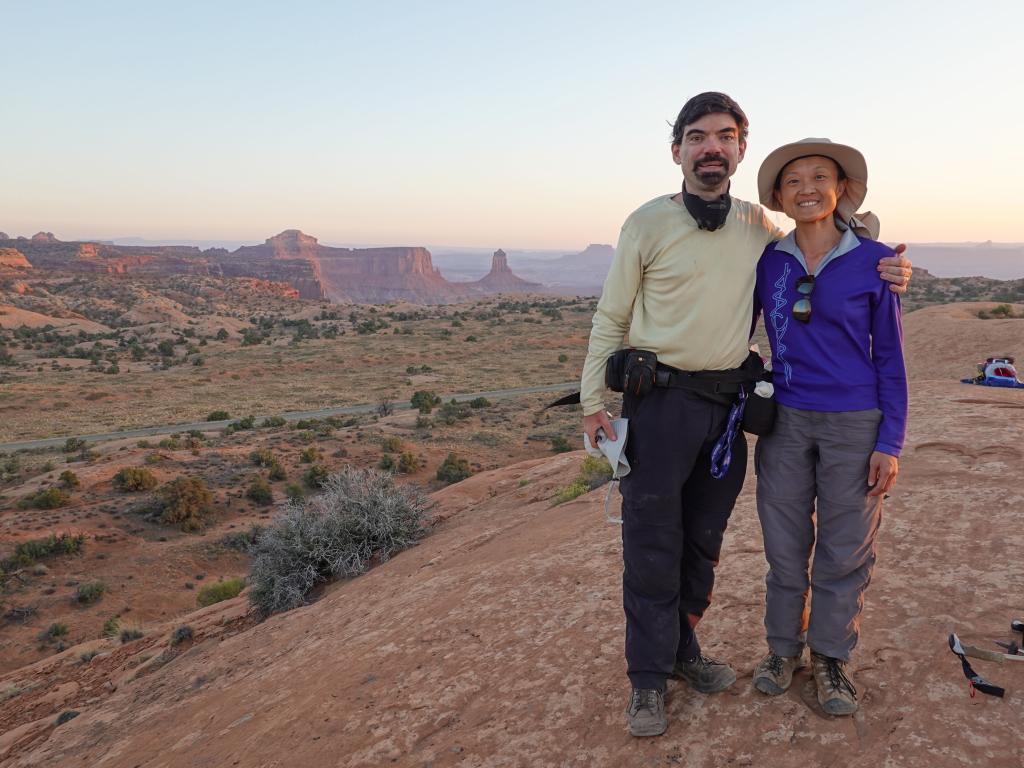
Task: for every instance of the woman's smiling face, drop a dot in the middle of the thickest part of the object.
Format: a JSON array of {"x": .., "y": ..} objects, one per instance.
[{"x": 809, "y": 188}]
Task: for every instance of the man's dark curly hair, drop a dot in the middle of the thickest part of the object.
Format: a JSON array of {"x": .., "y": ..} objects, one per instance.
[{"x": 708, "y": 103}]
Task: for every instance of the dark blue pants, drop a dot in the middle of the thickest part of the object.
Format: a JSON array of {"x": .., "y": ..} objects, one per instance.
[{"x": 674, "y": 516}]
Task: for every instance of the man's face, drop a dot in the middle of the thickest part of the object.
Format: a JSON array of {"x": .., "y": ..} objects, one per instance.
[{"x": 711, "y": 149}]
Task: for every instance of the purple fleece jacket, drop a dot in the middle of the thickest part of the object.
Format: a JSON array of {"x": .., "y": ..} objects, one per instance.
[{"x": 849, "y": 355}]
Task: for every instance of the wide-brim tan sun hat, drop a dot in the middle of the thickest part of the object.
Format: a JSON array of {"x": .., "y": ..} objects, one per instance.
[{"x": 849, "y": 159}]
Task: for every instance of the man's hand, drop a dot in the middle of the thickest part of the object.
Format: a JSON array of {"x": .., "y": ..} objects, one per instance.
[
  {"x": 897, "y": 270},
  {"x": 882, "y": 472},
  {"x": 596, "y": 421}
]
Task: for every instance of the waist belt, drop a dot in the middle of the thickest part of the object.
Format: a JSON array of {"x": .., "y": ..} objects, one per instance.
[
  {"x": 711, "y": 382},
  {"x": 708, "y": 382}
]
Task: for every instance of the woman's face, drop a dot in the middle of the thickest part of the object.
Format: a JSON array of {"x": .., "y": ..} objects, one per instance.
[{"x": 809, "y": 188}]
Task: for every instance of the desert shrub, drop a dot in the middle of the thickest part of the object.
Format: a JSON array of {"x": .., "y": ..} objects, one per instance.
[
  {"x": 593, "y": 474},
  {"x": 391, "y": 445},
  {"x": 49, "y": 498},
  {"x": 38, "y": 549},
  {"x": 241, "y": 540},
  {"x": 424, "y": 400},
  {"x": 131, "y": 479},
  {"x": 129, "y": 634},
  {"x": 387, "y": 463},
  {"x": 315, "y": 476},
  {"x": 294, "y": 492},
  {"x": 86, "y": 656},
  {"x": 55, "y": 630},
  {"x": 422, "y": 422},
  {"x": 563, "y": 358},
  {"x": 90, "y": 592},
  {"x": 240, "y": 425},
  {"x": 479, "y": 402},
  {"x": 559, "y": 444},
  {"x": 273, "y": 421},
  {"x": 453, "y": 469},
  {"x": 222, "y": 335},
  {"x": 221, "y": 590},
  {"x": 408, "y": 463},
  {"x": 452, "y": 411},
  {"x": 111, "y": 626},
  {"x": 264, "y": 457},
  {"x": 361, "y": 515},
  {"x": 69, "y": 479},
  {"x": 277, "y": 471},
  {"x": 184, "y": 501},
  {"x": 181, "y": 634},
  {"x": 73, "y": 444},
  {"x": 259, "y": 491},
  {"x": 218, "y": 416},
  {"x": 309, "y": 455},
  {"x": 171, "y": 443}
]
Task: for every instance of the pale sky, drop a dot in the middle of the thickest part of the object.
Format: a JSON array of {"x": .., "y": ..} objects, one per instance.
[{"x": 521, "y": 124}]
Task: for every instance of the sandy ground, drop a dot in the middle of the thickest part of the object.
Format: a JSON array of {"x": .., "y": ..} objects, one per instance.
[{"x": 498, "y": 640}]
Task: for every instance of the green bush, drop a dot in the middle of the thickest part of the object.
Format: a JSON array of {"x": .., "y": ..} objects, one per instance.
[
  {"x": 559, "y": 444},
  {"x": 185, "y": 501},
  {"x": 424, "y": 400},
  {"x": 453, "y": 469},
  {"x": 89, "y": 592},
  {"x": 408, "y": 463},
  {"x": 50, "y": 498},
  {"x": 479, "y": 402},
  {"x": 452, "y": 411},
  {"x": 277, "y": 472},
  {"x": 221, "y": 590},
  {"x": 387, "y": 463},
  {"x": 127, "y": 635},
  {"x": 180, "y": 635},
  {"x": 259, "y": 491},
  {"x": 73, "y": 444},
  {"x": 131, "y": 479},
  {"x": 218, "y": 416},
  {"x": 593, "y": 474},
  {"x": 69, "y": 480},
  {"x": 111, "y": 626},
  {"x": 263, "y": 457},
  {"x": 360, "y": 517},
  {"x": 55, "y": 630},
  {"x": 391, "y": 445},
  {"x": 315, "y": 476},
  {"x": 273, "y": 421},
  {"x": 294, "y": 492},
  {"x": 563, "y": 358},
  {"x": 309, "y": 455},
  {"x": 27, "y": 552}
]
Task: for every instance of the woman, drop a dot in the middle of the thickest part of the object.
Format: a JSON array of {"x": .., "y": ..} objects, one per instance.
[{"x": 841, "y": 389}]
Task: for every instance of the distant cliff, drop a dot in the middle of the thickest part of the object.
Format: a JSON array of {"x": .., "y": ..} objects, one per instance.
[{"x": 361, "y": 275}]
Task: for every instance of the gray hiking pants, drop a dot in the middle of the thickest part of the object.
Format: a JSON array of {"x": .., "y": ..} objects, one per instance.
[{"x": 815, "y": 465}]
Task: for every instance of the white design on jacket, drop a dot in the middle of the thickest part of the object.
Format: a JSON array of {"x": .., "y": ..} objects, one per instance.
[{"x": 780, "y": 321}]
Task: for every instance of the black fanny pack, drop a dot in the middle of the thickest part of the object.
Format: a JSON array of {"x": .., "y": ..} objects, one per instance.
[
  {"x": 631, "y": 371},
  {"x": 637, "y": 371}
]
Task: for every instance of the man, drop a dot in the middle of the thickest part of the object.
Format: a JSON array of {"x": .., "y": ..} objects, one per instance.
[{"x": 682, "y": 284}]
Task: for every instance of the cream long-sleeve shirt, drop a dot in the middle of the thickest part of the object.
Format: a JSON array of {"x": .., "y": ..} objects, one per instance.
[{"x": 683, "y": 293}]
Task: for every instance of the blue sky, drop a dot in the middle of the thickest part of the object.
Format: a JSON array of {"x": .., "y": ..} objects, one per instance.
[{"x": 524, "y": 125}]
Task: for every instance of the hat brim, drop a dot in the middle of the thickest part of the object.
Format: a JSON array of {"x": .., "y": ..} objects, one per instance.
[{"x": 849, "y": 159}]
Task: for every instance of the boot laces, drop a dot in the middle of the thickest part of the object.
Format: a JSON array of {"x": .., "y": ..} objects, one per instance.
[
  {"x": 774, "y": 663},
  {"x": 643, "y": 698},
  {"x": 837, "y": 677}
]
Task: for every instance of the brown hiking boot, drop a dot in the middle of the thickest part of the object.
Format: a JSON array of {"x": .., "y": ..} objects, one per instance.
[
  {"x": 646, "y": 713},
  {"x": 836, "y": 692},
  {"x": 774, "y": 673},
  {"x": 705, "y": 675}
]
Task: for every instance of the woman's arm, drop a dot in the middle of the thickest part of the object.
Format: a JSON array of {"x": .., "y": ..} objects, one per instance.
[{"x": 891, "y": 376}]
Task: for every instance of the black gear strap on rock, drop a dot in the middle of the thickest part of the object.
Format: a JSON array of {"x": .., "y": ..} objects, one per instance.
[{"x": 976, "y": 681}]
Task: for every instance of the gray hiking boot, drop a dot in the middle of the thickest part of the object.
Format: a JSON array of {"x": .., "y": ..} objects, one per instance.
[
  {"x": 646, "y": 713},
  {"x": 774, "y": 673},
  {"x": 705, "y": 675},
  {"x": 836, "y": 692}
]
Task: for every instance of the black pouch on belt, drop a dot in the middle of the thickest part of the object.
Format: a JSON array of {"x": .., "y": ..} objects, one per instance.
[{"x": 641, "y": 370}]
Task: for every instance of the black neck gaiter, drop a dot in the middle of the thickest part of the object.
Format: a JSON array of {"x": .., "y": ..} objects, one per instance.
[{"x": 710, "y": 214}]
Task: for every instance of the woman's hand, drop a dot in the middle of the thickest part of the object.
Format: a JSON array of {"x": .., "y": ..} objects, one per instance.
[{"x": 882, "y": 472}]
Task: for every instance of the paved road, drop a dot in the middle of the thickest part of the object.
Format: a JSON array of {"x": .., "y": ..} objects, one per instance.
[{"x": 497, "y": 394}]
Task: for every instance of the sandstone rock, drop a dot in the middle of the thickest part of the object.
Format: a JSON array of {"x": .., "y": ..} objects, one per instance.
[
  {"x": 12, "y": 257},
  {"x": 501, "y": 279}
]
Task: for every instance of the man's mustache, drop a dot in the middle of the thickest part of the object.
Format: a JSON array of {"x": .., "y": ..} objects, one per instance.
[{"x": 711, "y": 159}]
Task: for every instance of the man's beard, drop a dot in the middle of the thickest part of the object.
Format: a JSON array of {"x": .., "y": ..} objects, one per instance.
[{"x": 712, "y": 179}]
